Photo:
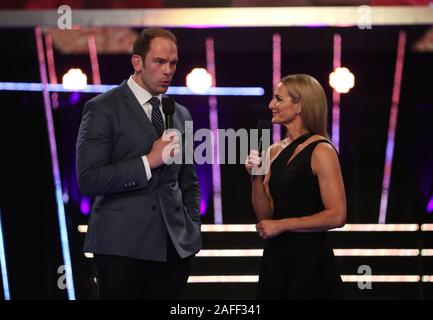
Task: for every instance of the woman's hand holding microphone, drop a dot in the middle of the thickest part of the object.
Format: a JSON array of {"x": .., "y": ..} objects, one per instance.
[{"x": 253, "y": 164}]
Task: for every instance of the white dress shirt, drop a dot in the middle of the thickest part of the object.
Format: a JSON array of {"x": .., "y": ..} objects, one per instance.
[{"x": 143, "y": 96}]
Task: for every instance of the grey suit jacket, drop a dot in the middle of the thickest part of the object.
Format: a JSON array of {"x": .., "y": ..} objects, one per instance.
[{"x": 132, "y": 216}]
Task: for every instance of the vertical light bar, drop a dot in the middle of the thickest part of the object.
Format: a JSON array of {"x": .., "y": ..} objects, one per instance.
[
  {"x": 276, "y": 77},
  {"x": 213, "y": 120},
  {"x": 50, "y": 59},
  {"x": 91, "y": 41},
  {"x": 392, "y": 126},
  {"x": 336, "y": 95},
  {"x": 3, "y": 264},
  {"x": 55, "y": 166},
  {"x": 51, "y": 69}
]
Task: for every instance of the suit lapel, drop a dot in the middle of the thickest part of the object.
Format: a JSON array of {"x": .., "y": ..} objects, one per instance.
[
  {"x": 137, "y": 109},
  {"x": 141, "y": 116},
  {"x": 144, "y": 120}
]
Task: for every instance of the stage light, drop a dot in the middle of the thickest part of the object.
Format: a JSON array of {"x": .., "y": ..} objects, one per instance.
[
  {"x": 199, "y": 80},
  {"x": 346, "y": 228},
  {"x": 427, "y": 252},
  {"x": 427, "y": 227},
  {"x": 203, "y": 206},
  {"x": 430, "y": 205},
  {"x": 82, "y": 228},
  {"x": 342, "y": 80},
  {"x": 85, "y": 206},
  {"x": 230, "y": 253},
  {"x": 65, "y": 196},
  {"x": 223, "y": 279},
  {"x": 91, "y": 88},
  {"x": 3, "y": 265},
  {"x": 74, "y": 79},
  {"x": 380, "y": 278}
]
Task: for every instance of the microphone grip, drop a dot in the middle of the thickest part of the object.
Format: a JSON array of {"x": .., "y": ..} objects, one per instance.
[
  {"x": 168, "y": 121},
  {"x": 260, "y": 154}
]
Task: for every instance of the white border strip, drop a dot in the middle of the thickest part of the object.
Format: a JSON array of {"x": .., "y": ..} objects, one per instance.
[
  {"x": 346, "y": 228},
  {"x": 345, "y": 278},
  {"x": 224, "y": 17},
  {"x": 230, "y": 253},
  {"x": 427, "y": 252},
  {"x": 337, "y": 252},
  {"x": 379, "y": 227},
  {"x": 380, "y": 278},
  {"x": 222, "y": 279},
  {"x": 228, "y": 228},
  {"x": 376, "y": 252}
]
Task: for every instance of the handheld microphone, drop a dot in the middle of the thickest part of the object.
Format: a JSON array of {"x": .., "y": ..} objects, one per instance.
[
  {"x": 168, "y": 109},
  {"x": 262, "y": 124}
]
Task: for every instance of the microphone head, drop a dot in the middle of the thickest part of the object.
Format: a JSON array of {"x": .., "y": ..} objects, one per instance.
[
  {"x": 168, "y": 105},
  {"x": 263, "y": 124}
]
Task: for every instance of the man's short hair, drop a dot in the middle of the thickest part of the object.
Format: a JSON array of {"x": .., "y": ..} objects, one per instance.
[{"x": 142, "y": 43}]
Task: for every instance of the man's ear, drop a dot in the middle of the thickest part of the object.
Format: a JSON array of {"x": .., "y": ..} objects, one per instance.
[{"x": 137, "y": 62}]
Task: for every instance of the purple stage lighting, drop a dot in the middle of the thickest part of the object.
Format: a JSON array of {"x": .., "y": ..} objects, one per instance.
[
  {"x": 85, "y": 206},
  {"x": 430, "y": 205}
]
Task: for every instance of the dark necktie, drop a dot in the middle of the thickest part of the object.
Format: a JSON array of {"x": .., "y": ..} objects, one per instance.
[{"x": 157, "y": 120}]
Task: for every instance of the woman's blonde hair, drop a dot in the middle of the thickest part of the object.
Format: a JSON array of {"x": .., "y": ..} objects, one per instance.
[{"x": 306, "y": 90}]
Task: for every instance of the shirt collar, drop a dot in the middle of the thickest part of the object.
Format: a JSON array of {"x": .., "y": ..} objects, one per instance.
[{"x": 142, "y": 95}]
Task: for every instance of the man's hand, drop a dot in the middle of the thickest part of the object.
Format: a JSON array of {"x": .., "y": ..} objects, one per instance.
[{"x": 163, "y": 149}]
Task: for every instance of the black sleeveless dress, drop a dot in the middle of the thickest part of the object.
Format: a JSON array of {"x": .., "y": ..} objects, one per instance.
[{"x": 297, "y": 265}]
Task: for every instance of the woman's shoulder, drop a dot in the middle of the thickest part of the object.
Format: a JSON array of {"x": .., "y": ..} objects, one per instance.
[
  {"x": 323, "y": 151},
  {"x": 318, "y": 137},
  {"x": 318, "y": 141},
  {"x": 276, "y": 148},
  {"x": 320, "y": 147}
]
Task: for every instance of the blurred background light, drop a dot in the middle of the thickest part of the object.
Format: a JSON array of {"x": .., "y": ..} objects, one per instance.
[
  {"x": 342, "y": 80},
  {"x": 199, "y": 80},
  {"x": 74, "y": 79}
]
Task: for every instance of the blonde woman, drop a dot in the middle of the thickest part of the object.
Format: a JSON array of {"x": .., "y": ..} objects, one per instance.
[{"x": 300, "y": 198}]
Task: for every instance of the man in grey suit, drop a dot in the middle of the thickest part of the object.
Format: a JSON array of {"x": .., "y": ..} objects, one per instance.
[{"x": 144, "y": 228}]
